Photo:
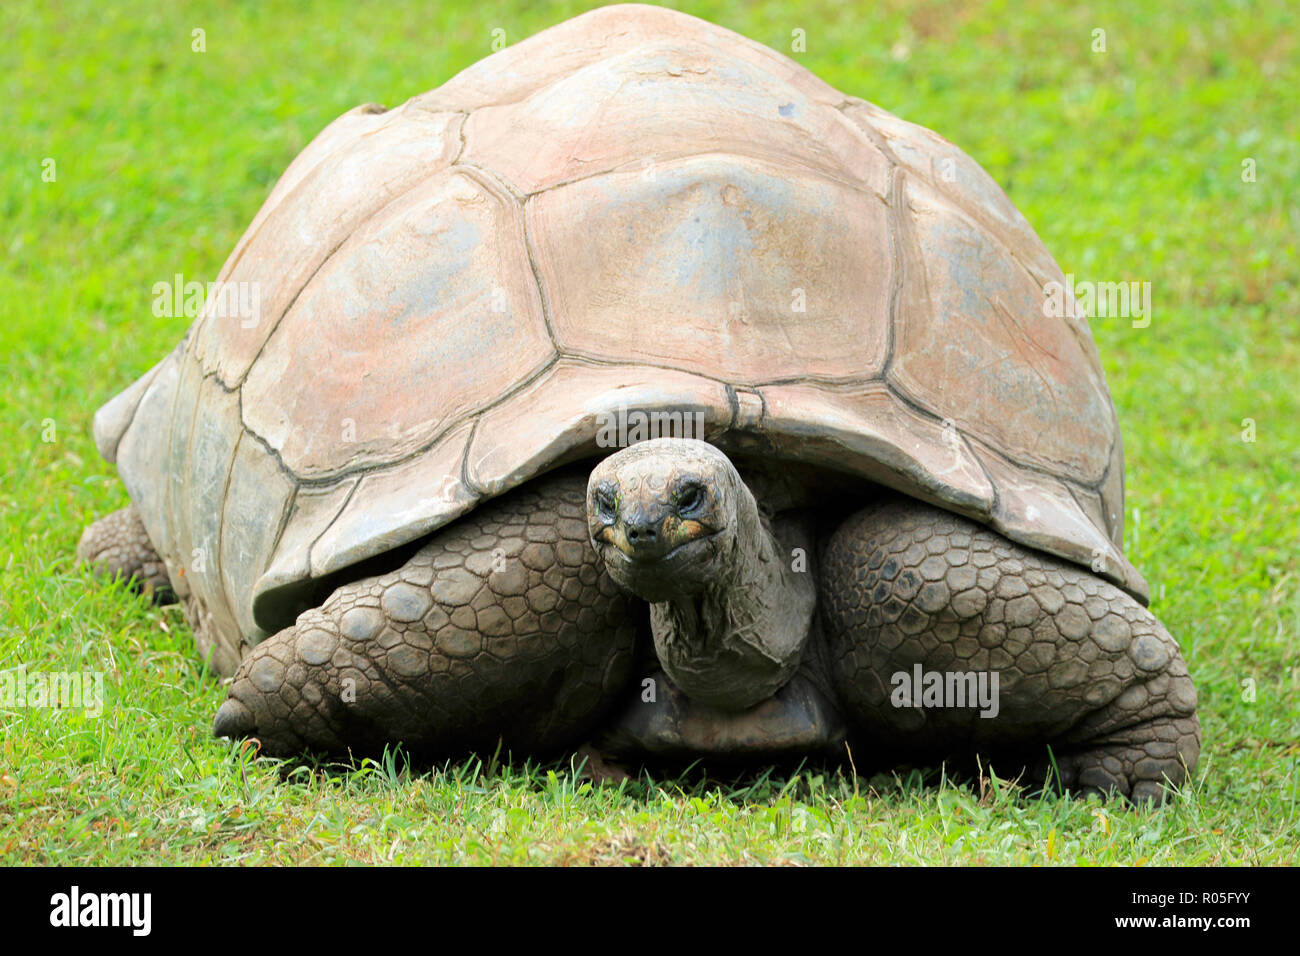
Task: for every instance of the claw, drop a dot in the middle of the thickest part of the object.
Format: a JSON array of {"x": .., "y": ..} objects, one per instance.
[{"x": 233, "y": 720}]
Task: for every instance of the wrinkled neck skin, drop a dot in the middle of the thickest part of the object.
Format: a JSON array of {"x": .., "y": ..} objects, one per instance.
[{"x": 736, "y": 642}]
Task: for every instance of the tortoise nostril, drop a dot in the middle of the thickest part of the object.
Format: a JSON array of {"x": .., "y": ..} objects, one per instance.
[{"x": 640, "y": 533}]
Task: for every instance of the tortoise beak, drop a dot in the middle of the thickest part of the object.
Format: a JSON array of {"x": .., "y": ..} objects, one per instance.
[
  {"x": 649, "y": 537},
  {"x": 642, "y": 537}
]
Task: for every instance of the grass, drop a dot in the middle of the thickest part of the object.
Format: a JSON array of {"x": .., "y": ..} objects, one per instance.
[{"x": 1128, "y": 162}]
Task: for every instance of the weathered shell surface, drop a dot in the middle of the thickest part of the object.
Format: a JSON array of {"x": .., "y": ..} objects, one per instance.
[{"x": 632, "y": 210}]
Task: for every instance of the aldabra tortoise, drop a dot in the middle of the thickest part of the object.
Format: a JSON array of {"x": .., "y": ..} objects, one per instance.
[{"x": 887, "y": 510}]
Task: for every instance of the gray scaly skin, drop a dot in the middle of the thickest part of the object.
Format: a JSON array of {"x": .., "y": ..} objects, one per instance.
[
  {"x": 1082, "y": 666},
  {"x": 509, "y": 626},
  {"x": 675, "y": 525},
  {"x": 503, "y": 627},
  {"x": 117, "y": 544}
]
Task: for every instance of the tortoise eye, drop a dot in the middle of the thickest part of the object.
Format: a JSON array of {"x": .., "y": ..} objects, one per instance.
[
  {"x": 605, "y": 503},
  {"x": 690, "y": 498}
]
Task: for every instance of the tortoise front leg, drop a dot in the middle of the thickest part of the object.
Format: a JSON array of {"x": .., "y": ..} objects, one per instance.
[
  {"x": 1081, "y": 666},
  {"x": 117, "y": 544},
  {"x": 505, "y": 627}
]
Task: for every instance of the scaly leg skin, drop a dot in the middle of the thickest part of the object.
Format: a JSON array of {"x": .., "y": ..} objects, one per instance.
[
  {"x": 505, "y": 629},
  {"x": 1082, "y": 666},
  {"x": 118, "y": 544}
]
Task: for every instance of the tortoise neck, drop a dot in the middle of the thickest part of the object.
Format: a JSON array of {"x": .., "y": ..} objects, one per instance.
[{"x": 736, "y": 642}]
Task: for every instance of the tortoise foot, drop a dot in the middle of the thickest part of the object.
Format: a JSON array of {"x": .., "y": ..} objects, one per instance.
[
  {"x": 501, "y": 631},
  {"x": 118, "y": 544},
  {"x": 947, "y": 638},
  {"x": 234, "y": 720},
  {"x": 599, "y": 767},
  {"x": 1143, "y": 762}
]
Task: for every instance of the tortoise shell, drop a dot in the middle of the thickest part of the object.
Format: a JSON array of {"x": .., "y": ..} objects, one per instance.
[{"x": 635, "y": 209}]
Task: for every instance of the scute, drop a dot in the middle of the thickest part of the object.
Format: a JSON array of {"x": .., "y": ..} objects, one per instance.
[
  {"x": 659, "y": 102},
  {"x": 428, "y": 313},
  {"x": 560, "y": 418},
  {"x": 633, "y": 212},
  {"x": 886, "y": 439},
  {"x": 258, "y": 489},
  {"x": 285, "y": 248},
  {"x": 522, "y": 68},
  {"x": 717, "y": 265},
  {"x": 395, "y": 505},
  {"x": 949, "y": 172},
  {"x": 199, "y": 501},
  {"x": 973, "y": 345}
]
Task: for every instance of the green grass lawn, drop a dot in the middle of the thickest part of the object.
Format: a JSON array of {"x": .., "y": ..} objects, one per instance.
[{"x": 1133, "y": 164}]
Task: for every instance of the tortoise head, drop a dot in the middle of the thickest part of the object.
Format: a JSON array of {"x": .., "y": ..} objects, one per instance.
[{"x": 662, "y": 515}]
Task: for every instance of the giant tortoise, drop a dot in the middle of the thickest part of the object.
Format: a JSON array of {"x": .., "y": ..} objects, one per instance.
[{"x": 635, "y": 387}]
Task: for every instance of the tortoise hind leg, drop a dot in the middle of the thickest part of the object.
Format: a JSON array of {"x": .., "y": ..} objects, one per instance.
[
  {"x": 505, "y": 626},
  {"x": 1081, "y": 666},
  {"x": 118, "y": 544}
]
